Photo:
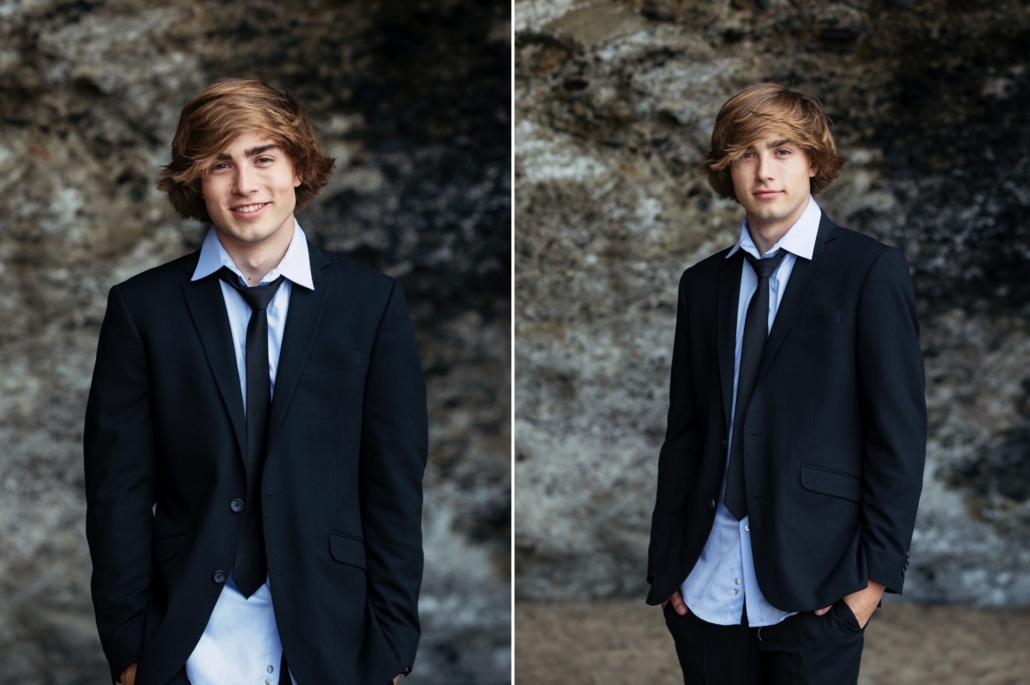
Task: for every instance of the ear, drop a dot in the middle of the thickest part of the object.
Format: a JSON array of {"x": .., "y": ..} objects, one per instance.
[
  {"x": 297, "y": 180},
  {"x": 812, "y": 171}
]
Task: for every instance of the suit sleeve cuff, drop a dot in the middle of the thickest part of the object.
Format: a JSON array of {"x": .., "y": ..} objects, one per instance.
[
  {"x": 124, "y": 649},
  {"x": 890, "y": 574}
]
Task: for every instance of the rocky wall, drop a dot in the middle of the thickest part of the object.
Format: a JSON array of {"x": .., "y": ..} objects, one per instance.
[
  {"x": 615, "y": 101},
  {"x": 412, "y": 98}
]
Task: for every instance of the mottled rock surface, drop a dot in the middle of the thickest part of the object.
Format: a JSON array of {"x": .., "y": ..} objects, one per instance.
[
  {"x": 412, "y": 98},
  {"x": 615, "y": 100}
]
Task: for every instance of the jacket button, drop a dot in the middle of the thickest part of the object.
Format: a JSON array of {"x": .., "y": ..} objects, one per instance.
[
  {"x": 236, "y": 505},
  {"x": 724, "y": 443},
  {"x": 711, "y": 504},
  {"x": 219, "y": 577}
]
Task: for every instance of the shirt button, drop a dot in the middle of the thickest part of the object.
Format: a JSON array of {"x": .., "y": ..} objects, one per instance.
[
  {"x": 735, "y": 591},
  {"x": 711, "y": 504},
  {"x": 724, "y": 444},
  {"x": 736, "y": 581},
  {"x": 748, "y": 528},
  {"x": 236, "y": 505},
  {"x": 219, "y": 577},
  {"x": 271, "y": 669},
  {"x": 268, "y": 681}
]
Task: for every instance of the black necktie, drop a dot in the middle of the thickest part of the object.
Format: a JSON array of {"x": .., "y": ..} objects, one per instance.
[
  {"x": 756, "y": 330},
  {"x": 250, "y": 568}
]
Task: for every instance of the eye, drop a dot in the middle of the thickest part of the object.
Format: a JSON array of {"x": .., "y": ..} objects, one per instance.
[
  {"x": 219, "y": 166},
  {"x": 265, "y": 160},
  {"x": 783, "y": 152}
]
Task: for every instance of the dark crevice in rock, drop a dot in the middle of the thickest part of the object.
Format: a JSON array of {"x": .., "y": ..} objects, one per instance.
[{"x": 960, "y": 142}]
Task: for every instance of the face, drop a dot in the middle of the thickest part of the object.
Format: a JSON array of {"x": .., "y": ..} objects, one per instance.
[
  {"x": 772, "y": 182},
  {"x": 250, "y": 191}
]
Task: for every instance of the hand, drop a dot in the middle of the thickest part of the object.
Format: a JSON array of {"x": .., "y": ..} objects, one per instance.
[
  {"x": 862, "y": 603},
  {"x": 396, "y": 679},
  {"x": 678, "y": 605}
]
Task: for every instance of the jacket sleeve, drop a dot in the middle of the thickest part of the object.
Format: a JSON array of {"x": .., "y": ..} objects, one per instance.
[
  {"x": 394, "y": 445},
  {"x": 680, "y": 451},
  {"x": 120, "y": 464},
  {"x": 892, "y": 395}
]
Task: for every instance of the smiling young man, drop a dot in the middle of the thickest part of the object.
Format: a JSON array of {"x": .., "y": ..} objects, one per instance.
[
  {"x": 792, "y": 465},
  {"x": 256, "y": 431}
]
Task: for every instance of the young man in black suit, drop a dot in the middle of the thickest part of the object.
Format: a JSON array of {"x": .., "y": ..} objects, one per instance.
[
  {"x": 793, "y": 460},
  {"x": 256, "y": 431}
]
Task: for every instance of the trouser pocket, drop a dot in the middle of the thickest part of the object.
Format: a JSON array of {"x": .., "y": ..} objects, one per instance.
[{"x": 847, "y": 616}]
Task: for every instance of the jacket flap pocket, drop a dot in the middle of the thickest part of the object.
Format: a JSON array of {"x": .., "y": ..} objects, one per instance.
[
  {"x": 807, "y": 323},
  {"x": 347, "y": 550},
  {"x": 166, "y": 548},
  {"x": 332, "y": 362},
  {"x": 831, "y": 483}
]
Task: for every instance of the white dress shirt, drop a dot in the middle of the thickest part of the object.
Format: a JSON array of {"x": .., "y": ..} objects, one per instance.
[
  {"x": 240, "y": 645},
  {"x": 725, "y": 573}
]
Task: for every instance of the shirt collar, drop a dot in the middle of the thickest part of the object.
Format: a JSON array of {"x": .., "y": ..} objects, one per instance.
[
  {"x": 799, "y": 238},
  {"x": 295, "y": 264}
]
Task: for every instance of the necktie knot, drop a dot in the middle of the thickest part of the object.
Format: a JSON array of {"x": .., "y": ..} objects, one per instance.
[
  {"x": 256, "y": 297},
  {"x": 765, "y": 268}
]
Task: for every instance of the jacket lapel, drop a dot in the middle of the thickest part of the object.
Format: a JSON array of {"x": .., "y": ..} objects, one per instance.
[
  {"x": 726, "y": 342},
  {"x": 801, "y": 279},
  {"x": 207, "y": 308},
  {"x": 302, "y": 321}
]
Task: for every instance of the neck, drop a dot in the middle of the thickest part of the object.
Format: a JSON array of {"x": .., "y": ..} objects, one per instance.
[
  {"x": 255, "y": 260},
  {"x": 766, "y": 233}
]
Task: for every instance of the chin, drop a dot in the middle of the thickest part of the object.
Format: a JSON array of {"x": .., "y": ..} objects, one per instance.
[
  {"x": 769, "y": 214},
  {"x": 777, "y": 213}
]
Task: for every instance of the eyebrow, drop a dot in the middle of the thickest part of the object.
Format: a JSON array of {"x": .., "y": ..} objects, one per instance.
[
  {"x": 251, "y": 152},
  {"x": 777, "y": 143},
  {"x": 259, "y": 149}
]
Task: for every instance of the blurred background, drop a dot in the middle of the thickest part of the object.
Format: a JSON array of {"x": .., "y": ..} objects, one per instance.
[
  {"x": 615, "y": 102},
  {"x": 413, "y": 99}
]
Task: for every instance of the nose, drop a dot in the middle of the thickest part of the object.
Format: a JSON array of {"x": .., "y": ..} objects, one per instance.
[
  {"x": 244, "y": 180},
  {"x": 764, "y": 167}
]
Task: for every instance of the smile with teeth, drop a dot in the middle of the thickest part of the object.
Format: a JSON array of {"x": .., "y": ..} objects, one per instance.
[{"x": 249, "y": 209}]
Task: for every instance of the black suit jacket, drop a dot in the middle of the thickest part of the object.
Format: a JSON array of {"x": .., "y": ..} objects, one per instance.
[
  {"x": 341, "y": 487},
  {"x": 834, "y": 434}
]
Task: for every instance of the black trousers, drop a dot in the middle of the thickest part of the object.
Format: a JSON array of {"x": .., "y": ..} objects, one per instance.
[{"x": 803, "y": 649}]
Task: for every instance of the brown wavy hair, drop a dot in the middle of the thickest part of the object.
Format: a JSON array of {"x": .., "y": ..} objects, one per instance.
[
  {"x": 216, "y": 117},
  {"x": 762, "y": 109}
]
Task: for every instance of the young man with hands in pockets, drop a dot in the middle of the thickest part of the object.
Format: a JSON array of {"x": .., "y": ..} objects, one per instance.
[
  {"x": 256, "y": 431},
  {"x": 792, "y": 465}
]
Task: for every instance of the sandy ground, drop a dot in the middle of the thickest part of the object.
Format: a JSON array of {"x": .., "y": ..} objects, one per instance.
[{"x": 624, "y": 642}]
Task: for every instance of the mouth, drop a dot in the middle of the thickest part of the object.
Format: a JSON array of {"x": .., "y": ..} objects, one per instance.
[
  {"x": 765, "y": 194},
  {"x": 247, "y": 211}
]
